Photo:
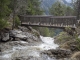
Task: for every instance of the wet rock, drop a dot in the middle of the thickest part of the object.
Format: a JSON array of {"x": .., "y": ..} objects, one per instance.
[
  {"x": 59, "y": 53},
  {"x": 20, "y": 58},
  {"x": 9, "y": 45},
  {"x": 27, "y": 58}
]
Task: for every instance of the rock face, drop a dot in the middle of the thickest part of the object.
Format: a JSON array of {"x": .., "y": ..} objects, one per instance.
[
  {"x": 29, "y": 35},
  {"x": 22, "y": 33},
  {"x": 58, "y": 53}
]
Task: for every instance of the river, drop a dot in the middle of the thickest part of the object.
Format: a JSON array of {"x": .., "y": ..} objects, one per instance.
[{"x": 34, "y": 52}]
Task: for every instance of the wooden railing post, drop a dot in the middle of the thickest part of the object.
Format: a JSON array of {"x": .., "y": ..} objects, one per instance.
[{"x": 55, "y": 21}]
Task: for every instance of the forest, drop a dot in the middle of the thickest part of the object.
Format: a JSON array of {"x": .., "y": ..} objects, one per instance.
[{"x": 9, "y": 11}]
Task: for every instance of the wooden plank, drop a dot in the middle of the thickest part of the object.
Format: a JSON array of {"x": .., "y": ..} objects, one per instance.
[{"x": 58, "y": 21}]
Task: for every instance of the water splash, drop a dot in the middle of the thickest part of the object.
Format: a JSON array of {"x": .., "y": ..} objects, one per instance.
[
  {"x": 48, "y": 43},
  {"x": 17, "y": 51}
]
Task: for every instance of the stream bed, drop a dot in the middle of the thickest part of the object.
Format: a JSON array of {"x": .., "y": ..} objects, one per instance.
[{"x": 30, "y": 52}]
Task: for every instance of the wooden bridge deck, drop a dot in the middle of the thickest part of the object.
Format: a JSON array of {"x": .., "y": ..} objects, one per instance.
[{"x": 49, "y": 21}]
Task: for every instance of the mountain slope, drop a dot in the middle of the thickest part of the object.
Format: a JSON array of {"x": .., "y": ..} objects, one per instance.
[{"x": 46, "y": 4}]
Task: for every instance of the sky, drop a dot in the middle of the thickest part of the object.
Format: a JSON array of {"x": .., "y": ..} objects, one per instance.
[{"x": 68, "y": 1}]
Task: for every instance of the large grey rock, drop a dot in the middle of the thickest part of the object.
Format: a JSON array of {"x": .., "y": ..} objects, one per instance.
[
  {"x": 23, "y": 35},
  {"x": 24, "y": 29},
  {"x": 5, "y": 37}
]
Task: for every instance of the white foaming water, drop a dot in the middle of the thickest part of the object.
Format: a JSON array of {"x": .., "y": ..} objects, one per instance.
[
  {"x": 48, "y": 43},
  {"x": 47, "y": 40}
]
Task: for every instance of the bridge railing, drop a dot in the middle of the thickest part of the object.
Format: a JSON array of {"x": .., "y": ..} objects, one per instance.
[
  {"x": 58, "y": 21},
  {"x": 64, "y": 20}
]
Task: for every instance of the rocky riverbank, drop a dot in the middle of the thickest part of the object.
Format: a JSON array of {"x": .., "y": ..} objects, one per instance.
[
  {"x": 22, "y": 44},
  {"x": 27, "y": 44},
  {"x": 70, "y": 43},
  {"x": 14, "y": 43}
]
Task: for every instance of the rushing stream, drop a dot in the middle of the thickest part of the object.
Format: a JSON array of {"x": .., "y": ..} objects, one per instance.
[
  {"x": 34, "y": 51},
  {"x": 48, "y": 43}
]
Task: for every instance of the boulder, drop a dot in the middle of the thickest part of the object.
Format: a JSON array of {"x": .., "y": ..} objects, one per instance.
[
  {"x": 25, "y": 35},
  {"x": 5, "y": 36},
  {"x": 59, "y": 53},
  {"x": 24, "y": 29}
]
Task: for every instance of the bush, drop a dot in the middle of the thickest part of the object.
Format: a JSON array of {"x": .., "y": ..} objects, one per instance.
[
  {"x": 17, "y": 21},
  {"x": 3, "y": 24},
  {"x": 63, "y": 37},
  {"x": 78, "y": 45},
  {"x": 68, "y": 29},
  {"x": 44, "y": 31}
]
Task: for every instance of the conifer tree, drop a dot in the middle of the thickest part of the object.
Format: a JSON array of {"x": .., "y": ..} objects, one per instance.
[{"x": 4, "y": 9}]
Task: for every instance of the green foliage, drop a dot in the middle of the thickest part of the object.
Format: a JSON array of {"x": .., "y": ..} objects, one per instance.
[
  {"x": 78, "y": 40},
  {"x": 63, "y": 37},
  {"x": 29, "y": 7},
  {"x": 3, "y": 24},
  {"x": 69, "y": 11},
  {"x": 17, "y": 21},
  {"x": 57, "y": 9},
  {"x": 4, "y": 9},
  {"x": 4, "y": 12},
  {"x": 33, "y": 7},
  {"x": 60, "y": 9},
  {"x": 51, "y": 31},
  {"x": 68, "y": 29},
  {"x": 78, "y": 45},
  {"x": 45, "y": 31}
]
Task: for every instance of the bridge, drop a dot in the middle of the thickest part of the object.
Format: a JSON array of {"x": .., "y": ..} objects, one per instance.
[{"x": 48, "y": 21}]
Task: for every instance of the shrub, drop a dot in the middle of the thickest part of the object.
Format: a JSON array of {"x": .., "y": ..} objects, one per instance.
[
  {"x": 3, "y": 24},
  {"x": 67, "y": 28},
  {"x": 17, "y": 21},
  {"x": 63, "y": 37},
  {"x": 78, "y": 45}
]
